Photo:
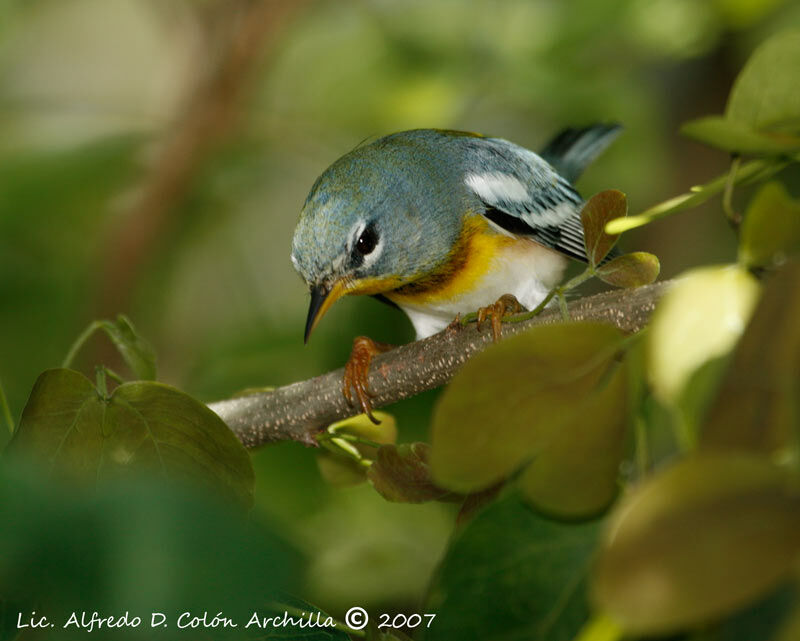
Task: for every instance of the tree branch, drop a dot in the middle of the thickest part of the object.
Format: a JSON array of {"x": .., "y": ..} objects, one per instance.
[{"x": 297, "y": 411}]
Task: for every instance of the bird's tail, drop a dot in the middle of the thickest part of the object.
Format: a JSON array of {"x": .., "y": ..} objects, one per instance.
[{"x": 571, "y": 151}]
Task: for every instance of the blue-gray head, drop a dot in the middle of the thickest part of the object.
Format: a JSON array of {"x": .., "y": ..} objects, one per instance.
[{"x": 375, "y": 220}]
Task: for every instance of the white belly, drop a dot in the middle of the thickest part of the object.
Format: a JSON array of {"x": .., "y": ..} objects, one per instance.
[{"x": 527, "y": 270}]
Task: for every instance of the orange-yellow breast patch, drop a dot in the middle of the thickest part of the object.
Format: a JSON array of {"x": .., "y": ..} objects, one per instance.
[{"x": 467, "y": 263}]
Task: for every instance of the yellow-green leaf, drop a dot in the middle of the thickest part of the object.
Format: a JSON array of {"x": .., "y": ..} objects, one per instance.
[
  {"x": 738, "y": 137},
  {"x": 770, "y": 231},
  {"x": 503, "y": 408},
  {"x": 700, "y": 317},
  {"x": 576, "y": 472},
  {"x": 765, "y": 94},
  {"x": 630, "y": 270},
  {"x": 697, "y": 542},
  {"x": 757, "y": 406}
]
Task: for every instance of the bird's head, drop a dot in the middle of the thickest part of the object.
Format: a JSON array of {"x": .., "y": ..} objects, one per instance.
[{"x": 371, "y": 224}]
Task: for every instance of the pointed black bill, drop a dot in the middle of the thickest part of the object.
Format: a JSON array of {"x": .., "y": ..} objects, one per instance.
[{"x": 318, "y": 295}]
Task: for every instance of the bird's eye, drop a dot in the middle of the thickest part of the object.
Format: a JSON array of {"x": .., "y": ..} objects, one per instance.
[{"x": 367, "y": 241}]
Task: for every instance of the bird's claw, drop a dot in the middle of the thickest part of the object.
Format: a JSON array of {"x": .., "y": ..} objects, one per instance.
[
  {"x": 356, "y": 373},
  {"x": 505, "y": 305}
]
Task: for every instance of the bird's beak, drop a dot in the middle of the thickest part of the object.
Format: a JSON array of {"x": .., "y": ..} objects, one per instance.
[{"x": 322, "y": 298}]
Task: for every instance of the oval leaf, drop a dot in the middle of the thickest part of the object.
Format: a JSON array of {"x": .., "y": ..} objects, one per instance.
[
  {"x": 630, "y": 270},
  {"x": 70, "y": 428},
  {"x": 698, "y": 541},
  {"x": 738, "y": 137},
  {"x": 765, "y": 94},
  {"x": 576, "y": 473},
  {"x": 505, "y": 405},
  {"x": 534, "y": 569},
  {"x": 138, "y": 354},
  {"x": 757, "y": 406},
  {"x": 700, "y": 317},
  {"x": 402, "y": 474},
  {"x": 770, "y": 231},
  {"x": 599, "y": 210}
]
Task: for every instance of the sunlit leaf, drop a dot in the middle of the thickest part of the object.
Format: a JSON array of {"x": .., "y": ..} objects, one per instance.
[
  {"x": 700, "y": 317},
  {"x": 770, "y": 231},
  {"x": 758, "y": 403},
  {"x": 696, "y": 542},
  {"x": 402, "y": 474},
  {"x": 765, "y": 94},
  {"x": 512, "y": 574},
  {"x": 630, "y": 270},
  {"x": 506, "y": 404},
  {"x": 735, "y": 136},
  {"x": 69, "y": 428},
  {"x": 599, "y": 210},
  {"x": 576, "y": 472}
]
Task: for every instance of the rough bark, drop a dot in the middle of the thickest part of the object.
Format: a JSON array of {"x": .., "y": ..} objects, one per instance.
[{"x": 297, "y": 411}]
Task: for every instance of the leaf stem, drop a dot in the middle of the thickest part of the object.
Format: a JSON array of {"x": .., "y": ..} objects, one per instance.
[
  {"x": 80, "y": 342},
  {"x": 685, "y": 434},
  {"x": 642, "y": 448},
  {"x": 6, "y": 410},
  {"x": 734, "y": 218},
  {"x": 763, "y": 168},
  {"x": 351, "y": 438}
]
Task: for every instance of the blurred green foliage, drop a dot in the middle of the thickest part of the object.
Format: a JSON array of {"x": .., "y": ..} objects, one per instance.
[{"x": 90, "y": 89}]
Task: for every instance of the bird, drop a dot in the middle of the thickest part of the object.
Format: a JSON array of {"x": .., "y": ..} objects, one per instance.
[{"x": 441, "y": 223}]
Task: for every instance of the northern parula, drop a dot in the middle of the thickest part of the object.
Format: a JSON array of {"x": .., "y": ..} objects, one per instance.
[{"x": 444, "y": 222}]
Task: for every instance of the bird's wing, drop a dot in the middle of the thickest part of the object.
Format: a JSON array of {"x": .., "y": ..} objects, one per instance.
[{"x": 523, "y": 195}]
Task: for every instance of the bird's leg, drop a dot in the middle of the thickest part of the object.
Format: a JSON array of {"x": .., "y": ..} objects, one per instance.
[
  {"x": 356, "y": 372},
  {"x": 505, "y": 305}
]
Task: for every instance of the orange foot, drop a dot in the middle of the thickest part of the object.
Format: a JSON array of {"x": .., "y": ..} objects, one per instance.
[
  {"x": 356, "y": 372},
  {"x": 505, "y": 305}
]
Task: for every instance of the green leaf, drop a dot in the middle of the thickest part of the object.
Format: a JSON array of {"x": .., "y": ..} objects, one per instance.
[
  {"x": 139, "y": 545},
  {"x": 630, "y": 270},
  {"x": 770, "y": 232},
  {"x": 70, "y": 429},
  {"x": 350, "y": 444},
  {"x": 340, "y": 471},
  {"x": 402, "y": 474},
  {"x": 696, "y": 542},
  {"x": 766, "y": 618},
  {"x": 599, "y": 210},
  {"x": 534, "y": 569},
  {"x": 765, "y": 94},
  {"x": 506, "y": 404},
  {"x": 758, "y": 403},
  {"x": 138, "y": 354},
  {"x": 738, "y": 137},
  {"x": 576, "y": 472},
  {"x": 701, "y": 317}
]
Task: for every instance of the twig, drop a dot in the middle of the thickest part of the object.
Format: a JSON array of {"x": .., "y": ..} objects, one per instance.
[{"x": 296, "y": 412}]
